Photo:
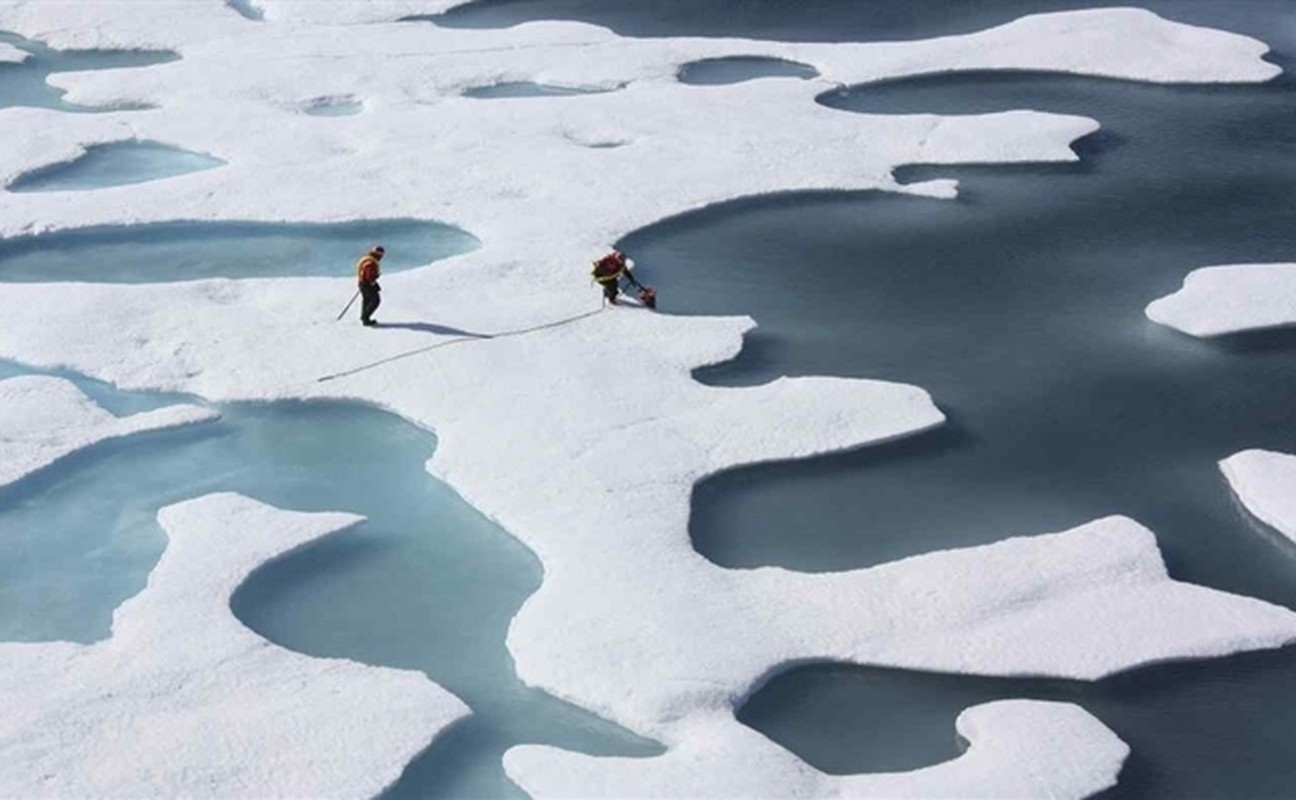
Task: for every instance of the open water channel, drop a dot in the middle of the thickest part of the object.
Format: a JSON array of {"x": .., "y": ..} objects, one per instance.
[{"x": 1019, "y": 307}]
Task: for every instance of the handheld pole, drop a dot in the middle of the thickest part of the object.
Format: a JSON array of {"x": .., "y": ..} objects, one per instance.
[{"x": 348, "y": 305}]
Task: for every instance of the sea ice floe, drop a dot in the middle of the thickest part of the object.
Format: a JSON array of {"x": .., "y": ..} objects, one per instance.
[
  {"x": 1230, "y": 299},
  {"x": 44, "y": 419},
  {"x": 583, "y": 432},
  {"x": 1265, "y": 482},
  {"x": 185, "y": 701},
  {"x": 1017, "y": 748}
]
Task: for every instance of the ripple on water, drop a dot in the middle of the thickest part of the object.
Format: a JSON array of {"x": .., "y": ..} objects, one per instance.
[
  {"x": 178, "y": 251},
  {"x": 114, "y": 164}
]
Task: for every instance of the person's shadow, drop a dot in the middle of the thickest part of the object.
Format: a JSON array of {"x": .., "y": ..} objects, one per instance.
[{"x": 427, "y": 327}]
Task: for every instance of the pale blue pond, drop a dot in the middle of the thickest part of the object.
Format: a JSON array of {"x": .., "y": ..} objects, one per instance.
[
  {"x": 426, "y": 583},
  {"x": 737, "y": 69},
  {"x": 24, "y": 84},
  {"x": 183, "y": 251},
  {"x": 115, "y": 164},
  {"x": 519, "y": 89}
]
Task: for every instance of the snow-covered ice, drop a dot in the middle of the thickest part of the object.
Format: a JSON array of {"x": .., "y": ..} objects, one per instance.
[
  {"x": 12, "y": 55},
  {"x": 185, "y": 701},
  {"x": 581, "y": 432},
  {"x": 1230, "y": 299},
  {"x": 1265, "y": 482},
  {"x": 44, "y": 419}
]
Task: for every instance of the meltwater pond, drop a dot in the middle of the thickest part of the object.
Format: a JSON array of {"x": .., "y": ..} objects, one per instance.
[
  {"x": 183, "y": 251},
  {"x": 24, "y": 84},
  {"x": 426, "y": 583},
  {"x": 520, "y": 89},
  {"x": 736, "y": 69},
  {"x": 114, "y": 164}
]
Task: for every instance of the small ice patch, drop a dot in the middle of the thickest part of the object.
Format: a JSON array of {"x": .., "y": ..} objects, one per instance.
[
  {"x": 12, "y": 55},
  {"x": 1265, "y": 482},
  {"x": 114, "y": 164},
  {"x": 1230, "y": 299}
]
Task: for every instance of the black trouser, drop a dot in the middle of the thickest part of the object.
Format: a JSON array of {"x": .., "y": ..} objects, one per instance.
[
  {"x": 611, "y": 289},
  {"x": 372, "y": 299}
]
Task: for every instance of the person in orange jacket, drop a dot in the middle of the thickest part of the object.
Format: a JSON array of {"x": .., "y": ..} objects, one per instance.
[{"x": 367, "y": 272}]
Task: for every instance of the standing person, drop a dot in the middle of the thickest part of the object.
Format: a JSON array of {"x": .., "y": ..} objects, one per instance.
[{"x": 367, "y": 272}]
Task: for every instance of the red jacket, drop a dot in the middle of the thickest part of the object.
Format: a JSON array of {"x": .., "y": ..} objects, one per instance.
[{"x": 609, "y": 267}]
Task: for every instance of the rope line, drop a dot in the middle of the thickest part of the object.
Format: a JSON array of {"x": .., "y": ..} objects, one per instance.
[{"x": 457, "y": 340}]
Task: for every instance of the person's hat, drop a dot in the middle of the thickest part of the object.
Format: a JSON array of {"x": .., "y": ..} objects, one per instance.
[{"x": 378, "y": 250}]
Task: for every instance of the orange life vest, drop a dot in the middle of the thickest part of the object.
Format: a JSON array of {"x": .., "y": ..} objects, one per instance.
[{"x": 367, "y": 269}]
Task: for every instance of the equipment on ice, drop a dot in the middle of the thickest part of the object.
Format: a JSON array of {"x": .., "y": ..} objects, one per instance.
[{"x": 608, "y": 272}]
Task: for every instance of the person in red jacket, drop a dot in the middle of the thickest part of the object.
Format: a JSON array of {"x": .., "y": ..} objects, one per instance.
[
  {"x": 367, "y": 272},
  {"x": 608, "y": 272}
]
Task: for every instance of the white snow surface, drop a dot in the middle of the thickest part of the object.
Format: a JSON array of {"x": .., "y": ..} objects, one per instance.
[
  {"x": 183, "y": 701},
  {"x": 1265, "y": 482},
  {"x": 12, "y": 55},
  {"x": 1018, "y": 748},
  {"x": 43, "y": 419},
  {"x": 1230, "y": 299},
  {"x": 584, "y": 439}
]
